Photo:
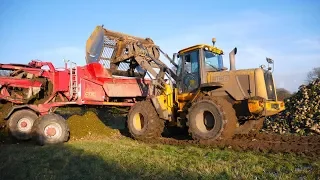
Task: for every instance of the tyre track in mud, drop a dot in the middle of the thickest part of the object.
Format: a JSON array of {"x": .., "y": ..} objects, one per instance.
[{"x": 272, "y": 143}]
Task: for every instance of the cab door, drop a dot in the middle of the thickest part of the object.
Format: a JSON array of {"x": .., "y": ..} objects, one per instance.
[{"x": 189, "y": 71}]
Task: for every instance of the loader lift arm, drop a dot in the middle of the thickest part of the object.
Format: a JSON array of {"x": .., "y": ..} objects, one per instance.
[{"x": 114, "y": 49}]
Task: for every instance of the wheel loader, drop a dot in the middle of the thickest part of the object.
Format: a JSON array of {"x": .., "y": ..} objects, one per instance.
[
  {"x": 201, "y": 95},
  {"x": 125, "y": 71}
]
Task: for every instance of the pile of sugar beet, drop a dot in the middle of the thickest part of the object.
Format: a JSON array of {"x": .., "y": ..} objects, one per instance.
[{"x": 302, "y": 114}]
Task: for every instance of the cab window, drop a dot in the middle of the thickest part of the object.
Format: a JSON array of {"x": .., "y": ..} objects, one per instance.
[
  {"x": 191, "y": 62},
  {"x": 179, "y": 69},
  {"x": 211, "y": 60}
]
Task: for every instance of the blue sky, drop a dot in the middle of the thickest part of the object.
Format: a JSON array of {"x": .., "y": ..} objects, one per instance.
[{"x": 287, "y": 31}]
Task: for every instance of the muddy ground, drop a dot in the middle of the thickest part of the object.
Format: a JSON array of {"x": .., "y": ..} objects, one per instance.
[
  {"x": 99, "y": 123},
  {"x": 306, "y": 146},
  {"x": 262, "y": 142}
]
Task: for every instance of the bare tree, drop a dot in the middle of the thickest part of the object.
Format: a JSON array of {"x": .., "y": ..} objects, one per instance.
[
  {"x": 313, "y": 74},
  {"x": 283, "y": 94}
]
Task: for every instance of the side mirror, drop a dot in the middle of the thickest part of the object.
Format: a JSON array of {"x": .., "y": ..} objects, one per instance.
[
  {"x": 235, "y": 50},
  {"x": 269, "y": 60},
  {"x": 174, "y": 55}
]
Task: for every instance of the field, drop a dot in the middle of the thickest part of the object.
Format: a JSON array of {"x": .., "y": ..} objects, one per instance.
[{"x": 98, "y": 152}]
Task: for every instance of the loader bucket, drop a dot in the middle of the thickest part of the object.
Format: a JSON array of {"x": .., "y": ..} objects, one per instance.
[
  {"x": 115, "y": 50},
  {"x": 117, "y": 47},
  {"x": 95, "y": 45}
]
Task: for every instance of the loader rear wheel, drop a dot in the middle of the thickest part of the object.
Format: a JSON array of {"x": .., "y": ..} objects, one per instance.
[
  {"x": 143, "y": 121},
  {"x": 51, "y": 129},
  {"x": 20, "y": 124},
  {"x": 212, "y": 118}
]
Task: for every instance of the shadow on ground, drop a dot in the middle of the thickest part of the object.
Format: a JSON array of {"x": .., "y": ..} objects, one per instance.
[
  {"x": 26, "y": 160},
  {"x": 65, "y": 162}
]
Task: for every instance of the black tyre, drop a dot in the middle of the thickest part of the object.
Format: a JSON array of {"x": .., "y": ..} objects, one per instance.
[
  {"x": 20, "y": 124},
  {"x": 143, "y": 121},
  {"x": 51, "y": 129},
  {"x": 211, "y": 118}
]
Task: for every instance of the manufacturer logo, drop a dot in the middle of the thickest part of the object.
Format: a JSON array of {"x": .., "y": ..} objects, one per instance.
[
  {"x": 221, "y": 78},
  {"x": 90, "y": 94}
]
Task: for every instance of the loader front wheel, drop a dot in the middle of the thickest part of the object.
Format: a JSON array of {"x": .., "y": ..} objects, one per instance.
[
  {"x": 20, "y": 124},
  {"x": 51, "y": 129},
  {"x": 143, "y": 121}
]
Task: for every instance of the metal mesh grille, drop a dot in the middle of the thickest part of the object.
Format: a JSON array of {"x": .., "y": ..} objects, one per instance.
[
  {"x": 107, "y": 53},
  {"x": 105, "y": 56},
  {"x": 5, "y": 72},
  {"x": 108, "y": 48}
]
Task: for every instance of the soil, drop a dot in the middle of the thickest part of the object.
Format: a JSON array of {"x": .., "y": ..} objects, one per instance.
[
  {"x": 4, "y": 109},
  {"x": 307, "y": 145}
]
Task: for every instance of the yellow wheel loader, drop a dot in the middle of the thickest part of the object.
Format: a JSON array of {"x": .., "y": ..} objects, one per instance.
[{"x": 200, "y": 94}]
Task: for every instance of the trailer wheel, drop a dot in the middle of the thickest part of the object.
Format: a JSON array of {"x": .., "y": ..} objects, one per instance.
[
  {"x": 211, "y": 118},
  {"x": 143, "y": 121},
  {"x": 51, "y": 129},
  {"x": 20, "y": 124}
]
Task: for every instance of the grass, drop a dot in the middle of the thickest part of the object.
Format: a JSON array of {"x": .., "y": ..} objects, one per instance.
[
  {"x": 123, "y": 158},
  {"x": 97, "y": 152}
]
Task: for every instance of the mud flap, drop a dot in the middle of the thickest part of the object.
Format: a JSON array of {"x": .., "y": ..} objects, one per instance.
[{"x": 16, "y": 108}]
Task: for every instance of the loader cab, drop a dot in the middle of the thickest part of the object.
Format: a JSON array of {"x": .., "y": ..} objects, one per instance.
[{"x": 193, "y": 65}]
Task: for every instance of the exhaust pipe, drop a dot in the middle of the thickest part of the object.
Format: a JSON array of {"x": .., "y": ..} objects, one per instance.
[{"x": 232, "y": 59}]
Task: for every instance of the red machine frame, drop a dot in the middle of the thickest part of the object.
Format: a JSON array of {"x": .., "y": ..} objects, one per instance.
[{"x": 91, "y": 84}]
